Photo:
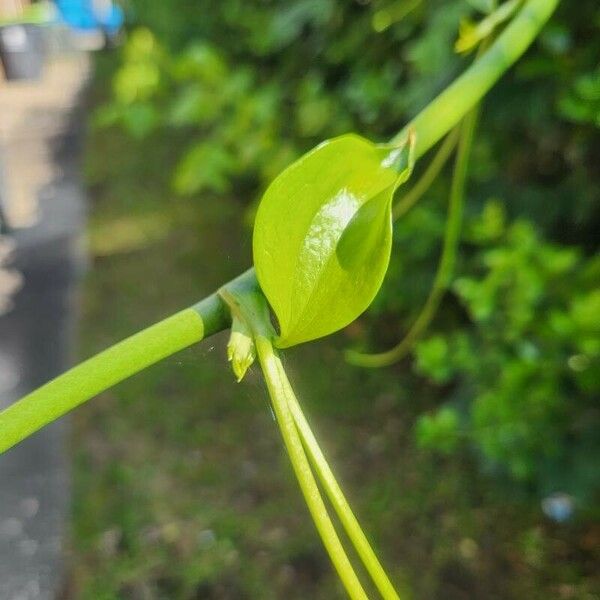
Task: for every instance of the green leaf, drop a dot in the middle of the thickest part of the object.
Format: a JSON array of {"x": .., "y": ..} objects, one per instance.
[
  {"x": 323, "y": 234},
  {"x": 206, "y": 166},
  {"x": 439, "y": 430}
]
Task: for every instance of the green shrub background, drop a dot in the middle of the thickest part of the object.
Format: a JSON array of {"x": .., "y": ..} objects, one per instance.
[
  {"x": 255, "y": 84},
  {"x": 214, "y": 99}
]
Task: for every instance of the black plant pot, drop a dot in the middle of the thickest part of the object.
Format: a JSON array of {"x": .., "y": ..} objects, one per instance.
[{"x": 22, "y": 51}]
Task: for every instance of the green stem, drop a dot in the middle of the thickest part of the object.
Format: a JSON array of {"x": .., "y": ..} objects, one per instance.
[
  {"x": 340, "y": 504},
  {"x": 445, "y": 111},
  {"x": 447, "y": 261},
  {"x": 107, "y": 368},
  {"x": 429, "y": 126},
  {"x": 249, "y": 307},
  {"x": 282, "y": 394},
  {"x": 430, "y": 174},
  {"x": 473, "y": 34}
]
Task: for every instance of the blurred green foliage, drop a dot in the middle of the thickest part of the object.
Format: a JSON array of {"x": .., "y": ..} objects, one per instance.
[
  {"x": 524, "y": 372},
  {"x": 516, "y": 347}
]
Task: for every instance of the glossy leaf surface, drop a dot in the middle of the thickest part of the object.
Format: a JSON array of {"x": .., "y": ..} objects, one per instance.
[{"x": 323, "y": 235}]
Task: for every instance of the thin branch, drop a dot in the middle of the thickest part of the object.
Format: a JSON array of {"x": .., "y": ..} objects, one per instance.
[
  {"x": 281, "y": 393},
  {"x": 445, "y": 111},
  {"x": 430, "y": 174},
  {"x": 447, "y": 261},
  {"x": 340, "y": 504}
]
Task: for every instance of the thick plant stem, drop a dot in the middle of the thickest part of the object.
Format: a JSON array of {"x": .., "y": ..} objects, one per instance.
[
  {"x": 447, "y": 261},
  {"x": 445, "y": 111},
  {"x": 281, "y": 392},
  {"x": 107, "y": 368},
  {"x": 430, "y": 174},
  {"x": 340, "y": 504}
]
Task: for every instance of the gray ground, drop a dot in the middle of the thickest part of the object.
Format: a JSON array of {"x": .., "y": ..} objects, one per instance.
[{"x": 42, "y": 200}]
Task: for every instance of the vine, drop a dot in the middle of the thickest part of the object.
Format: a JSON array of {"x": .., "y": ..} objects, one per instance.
[{"x": 322, "y": 243}]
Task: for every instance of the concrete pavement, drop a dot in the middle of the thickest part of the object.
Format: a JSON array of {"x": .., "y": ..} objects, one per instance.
[{"x": 43, "y": 201}]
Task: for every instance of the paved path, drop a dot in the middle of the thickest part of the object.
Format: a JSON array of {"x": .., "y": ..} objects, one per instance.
[{"x": 41, "y": 194}]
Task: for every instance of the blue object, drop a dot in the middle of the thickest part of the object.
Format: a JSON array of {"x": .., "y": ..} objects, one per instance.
[
  {"x": 559, "y": 507},
  {"x": 89, "y": 15}
]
